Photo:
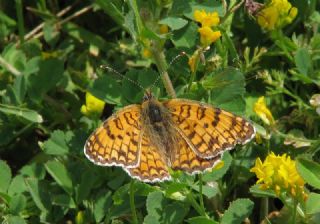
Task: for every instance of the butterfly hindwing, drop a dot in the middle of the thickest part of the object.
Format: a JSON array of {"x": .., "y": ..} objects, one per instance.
[
  {"x": 185, "y": 159},
  {"x": 115, "y": 143},
  {"x": 209, "y": 131},
  {"x": 152, "y": 166}
]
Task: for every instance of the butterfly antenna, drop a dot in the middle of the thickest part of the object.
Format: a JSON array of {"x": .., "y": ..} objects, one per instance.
[
  {"x": 171, "y": 62},
  {"x": 182, "y": 53},
  {"x": 108, "y": 68}
]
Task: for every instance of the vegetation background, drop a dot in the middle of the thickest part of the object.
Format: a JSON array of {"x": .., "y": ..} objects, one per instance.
[{"x": 263, "y": 63}]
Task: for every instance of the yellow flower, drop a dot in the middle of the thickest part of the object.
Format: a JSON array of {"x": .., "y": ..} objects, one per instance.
[
  {"x": 267, "y": 18},
  {"x": 206, "y": 19},
  {"x": 93, "y": 106},
  {"x": 219, "y": 165},
  {"x": 192, "y": 62},
  {"x": 276, "y": 14},
  {"x": 261, "y": 109},
  {"x": 163, "y": 29},
  {"x": 280, "y": 174},
  {"x": 208, "y": 36},
  {"x": 146, "y": 53}
]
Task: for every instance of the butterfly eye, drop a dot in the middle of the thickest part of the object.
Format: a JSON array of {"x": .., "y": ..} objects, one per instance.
[{"x": 145, "y": 98}]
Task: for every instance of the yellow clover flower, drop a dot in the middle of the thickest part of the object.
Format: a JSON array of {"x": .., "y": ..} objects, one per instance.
[
  {"x": 280, "y": 174},
  {"x": 146, "y": 53},
  {"x": 261, "y": 109},
  {"x": 93, "y": 106},
  {"x": 208, "y": 36},
  {"x": 276, "y": 14},
  {"x": 163, "y": 29},
  {"x": 207, "y": 19},
  {"x": 192, "y": 62}
]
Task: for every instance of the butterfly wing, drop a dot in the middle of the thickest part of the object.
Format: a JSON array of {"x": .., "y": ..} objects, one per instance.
[
  {"x": 115, "y": 143},
  {"x": 152, "y": 166},
  {"x": 185, "y": 159},
  {"x": 208, "y": 131}
]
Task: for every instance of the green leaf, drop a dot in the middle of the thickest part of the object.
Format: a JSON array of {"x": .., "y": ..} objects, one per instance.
[
  {"x": 59, "y": 173},
  {"x": 63, "y": 200},
  {"x": 227, "y": 89},
  {"x": 50, "y": 32},
  {"x": 101, "y": 205},
  {"x": 144, "y": 78},
  {"x": 237, "y": 211},
  {"x": 130, "y": 25},
  {"x": 19, "y": 89},
  {"x": 88, "y": 179},
  {"x": 309, "y": 171},
  {"x": 5, "y": 198},
  {"x": 155, "y": 204},
  {"x": 57, "y": 144},
  {"x": 120, "y": 194},
  {"x": 27, "y": 114},
  {"x": 16, "y": 220},
  {"x": 175, "y": 23},
  {"x": 219, "y": 173},
  {"x": 258, "y": 192},
  {"x": 159, "y": 211},
  {"x": 112, "y": 10},
  {"x": 14, "y": 56},
  {"x": 17, "y": 204},
  {"x": 185, "y": 37},
  {"x": 201, "y": 220},
  {"x": 179, "y": 7},
  {"x": 174, "y": 213},
  {"x": 50, "y": 73},
  {"x": 84, "y": 35},
  {"x": 39, "y": 193},
  {"x": 106, "y": 89},
  {"x": 17, "y": 185},
  {"x": 35, "y": 170},
  {"x": 313, "y": 203},
  {"x": 151, "y": 219},
  {"x": 174, "y": 187},
  {"x": 6, "y": 19},
  {"x": 303, "y": 61},
  {"x": 5, "y": 176},
  {"x": 208, "y": 191}
]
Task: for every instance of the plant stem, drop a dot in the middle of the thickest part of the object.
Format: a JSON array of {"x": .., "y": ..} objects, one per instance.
[
  {"x": 195, "y": 205},
  {"x": 132, "y": 205},
  {"x": 20, "y": 20},
  {"x": 294, "y": 211},
  {"x": 40, "y": 26},
  {"x": 311, "y": 141},
  {"x": 161, "y": 64},
  {"x": 200, "y": 192},
  {"x": 9, "y": 67},
  {"x": 264, "y": 208}
]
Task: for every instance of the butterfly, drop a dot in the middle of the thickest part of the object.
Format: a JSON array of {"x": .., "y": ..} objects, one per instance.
[{"x": 149, "y": 139}]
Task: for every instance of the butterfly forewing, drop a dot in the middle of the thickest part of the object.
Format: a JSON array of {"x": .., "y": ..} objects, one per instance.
[
  {"x": 116, "y": 142},
  {"x": 209, "y": 131}
]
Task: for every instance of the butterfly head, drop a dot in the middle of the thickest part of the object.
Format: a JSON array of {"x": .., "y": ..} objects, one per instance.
[{"x": 148, "y": 95}]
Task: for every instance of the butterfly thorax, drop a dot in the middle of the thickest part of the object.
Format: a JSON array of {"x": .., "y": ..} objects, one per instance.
[{"x": 158, "y": 126}]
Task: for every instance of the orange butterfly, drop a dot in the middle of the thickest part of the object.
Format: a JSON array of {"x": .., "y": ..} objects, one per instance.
[{"x": 148, "y": 139}]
